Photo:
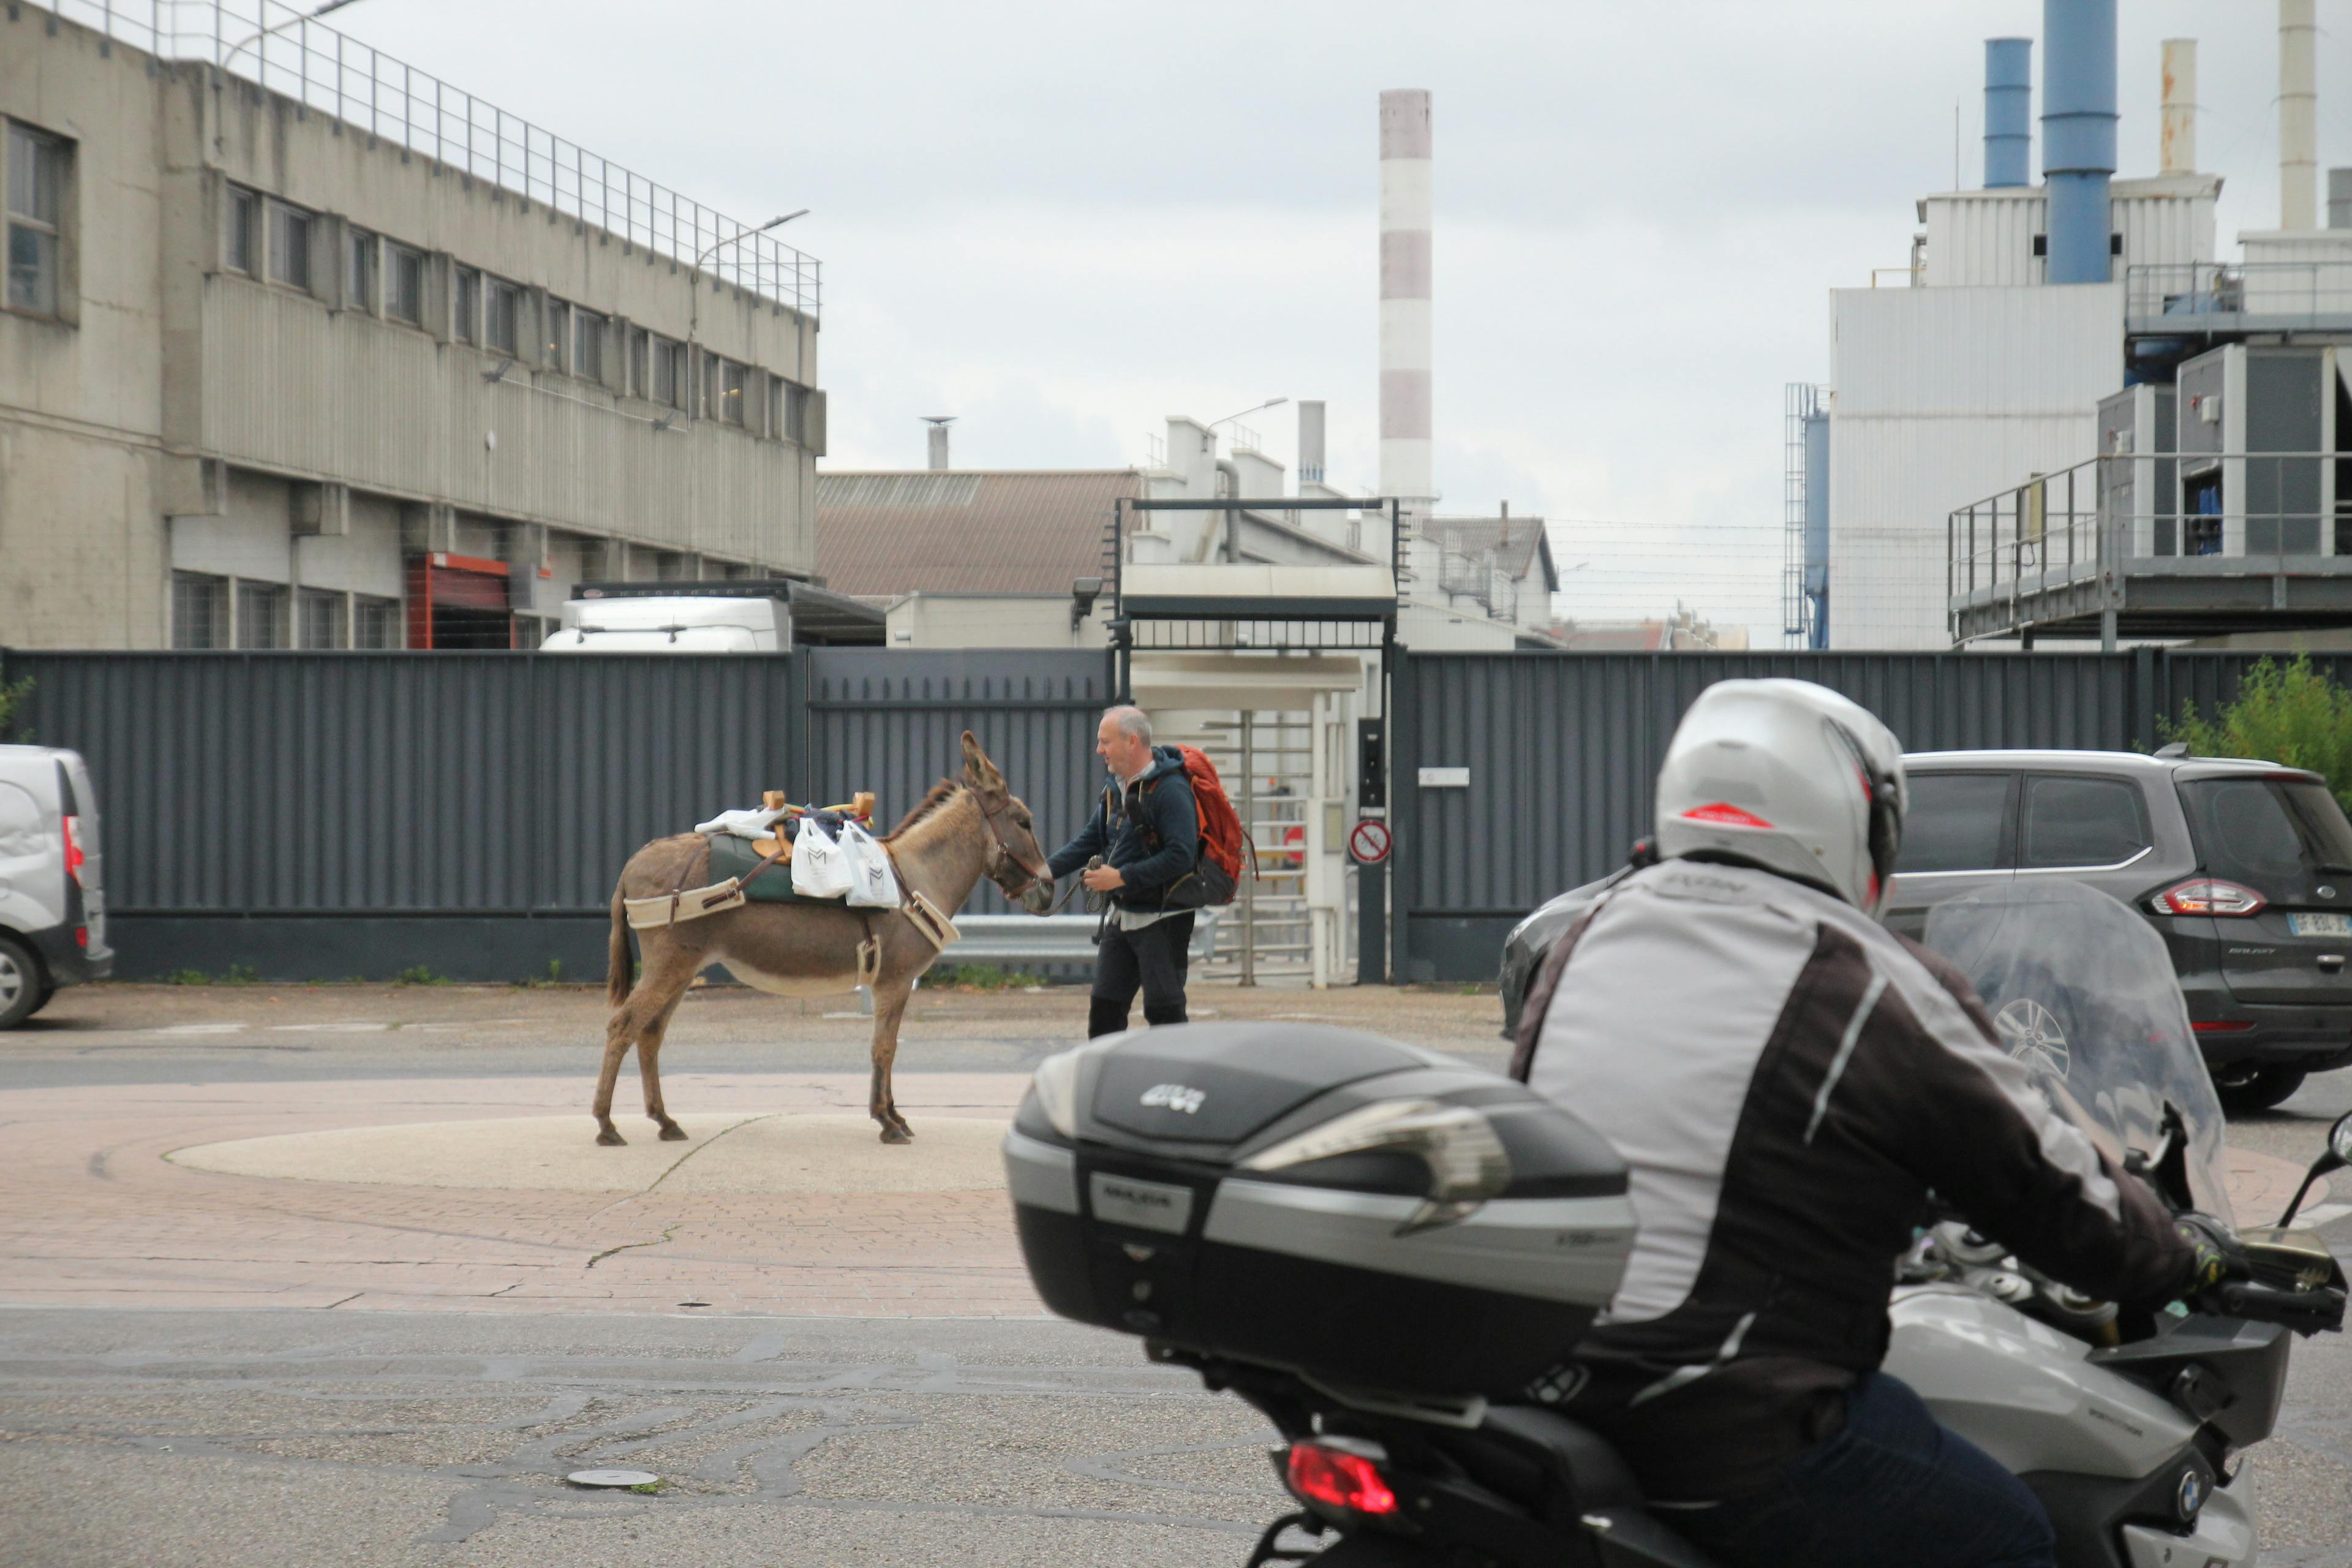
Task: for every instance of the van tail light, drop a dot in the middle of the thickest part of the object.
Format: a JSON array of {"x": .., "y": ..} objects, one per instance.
[
  {"x": 81, "y": 937},
  {"x": 1318, "y": 1472},
  {"x": 2208, "y": 896},
  {"x": 2219, "y": 1026},
  {"x": 74, "y": 856}
]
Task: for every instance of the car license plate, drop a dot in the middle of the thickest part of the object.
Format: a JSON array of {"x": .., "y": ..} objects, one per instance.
[{"x": 2320, "y": 925}]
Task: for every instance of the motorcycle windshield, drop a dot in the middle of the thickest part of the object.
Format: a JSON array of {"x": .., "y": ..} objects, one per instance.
[{"x": 2081, "y": 991}]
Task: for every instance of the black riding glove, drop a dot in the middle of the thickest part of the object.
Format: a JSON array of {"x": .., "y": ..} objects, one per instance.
[{"x": 2220, "y": 1256}]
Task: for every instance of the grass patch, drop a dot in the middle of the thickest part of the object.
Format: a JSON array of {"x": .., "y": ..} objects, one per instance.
[
  {"x": 982, "y": 977},
  {"x": 555, "y": 976},
  {"x": 187, "y": 977},
  {"x": 419, "y": 975}
]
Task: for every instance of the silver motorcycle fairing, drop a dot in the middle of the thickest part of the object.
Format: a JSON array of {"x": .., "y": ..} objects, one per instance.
[
  {"x": 2025, "y": 1393},
  {"x": 2224, "y": 1538}
]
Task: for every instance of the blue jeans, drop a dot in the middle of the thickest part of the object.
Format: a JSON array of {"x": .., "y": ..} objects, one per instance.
[{"x": 1892, "y": 1486}]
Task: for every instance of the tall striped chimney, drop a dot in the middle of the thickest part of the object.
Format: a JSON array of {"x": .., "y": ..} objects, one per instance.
[
  {"x": 2177, "y": 135},
  {"x": 1405, "y": 471},
  {"x": 2298, "y": 116}
]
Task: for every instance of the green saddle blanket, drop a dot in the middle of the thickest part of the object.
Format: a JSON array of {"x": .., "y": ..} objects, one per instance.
[{"x": 734, "y": 857}]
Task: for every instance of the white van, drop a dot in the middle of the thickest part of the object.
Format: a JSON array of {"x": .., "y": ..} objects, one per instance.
[
  {"x": 52, "y": 905},
  {"x": 672, "y": 625}
]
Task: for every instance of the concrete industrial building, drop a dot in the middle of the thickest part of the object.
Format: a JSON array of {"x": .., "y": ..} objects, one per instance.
[{"x": 301, "y": 353}]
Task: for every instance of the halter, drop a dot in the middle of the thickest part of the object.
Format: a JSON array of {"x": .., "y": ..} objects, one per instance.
[{"x": 1035, "y": 874}]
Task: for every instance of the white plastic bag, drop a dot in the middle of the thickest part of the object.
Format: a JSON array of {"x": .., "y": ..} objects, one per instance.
[
  {"x": 820, "y": 870},
  {"x": 872, "y": 885},
  {"x": 754, "y": 822}
]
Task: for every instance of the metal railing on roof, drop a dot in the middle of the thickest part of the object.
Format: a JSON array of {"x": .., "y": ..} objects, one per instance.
[
  {"x": 2133, "y": 509},
  {"x": 280, "y": 48},
  {"x": 2201, "y": 297}
]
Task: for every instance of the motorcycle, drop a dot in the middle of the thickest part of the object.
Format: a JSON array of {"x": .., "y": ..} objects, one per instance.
[{"x": 1390, "y": 1253}]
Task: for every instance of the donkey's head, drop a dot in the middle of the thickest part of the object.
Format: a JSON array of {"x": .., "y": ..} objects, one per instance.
[{"x": 1015, "y": 863}]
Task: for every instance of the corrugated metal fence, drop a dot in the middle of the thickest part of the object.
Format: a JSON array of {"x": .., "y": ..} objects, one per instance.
[
  {"x": 316, "y": 816},
  {"x": 1562, "y": 750},
  {"x": 328, "y": 815}
]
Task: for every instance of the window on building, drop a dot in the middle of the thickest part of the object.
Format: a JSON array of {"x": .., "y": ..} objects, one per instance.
[
  {"x": 641, "y": 360},
  {"x": 670, "y": 373},
  {"x": 732, "y": 381},
  {"x": 558, "y": 327},
  {"x": 788, "y": 419},
  {"x": 36, "y": 204},
  {"x": 359, "y": 270},
  {"x": 587, "y": 345},
  {"x": 289, "y": 245},
  {"x": 529, "y": 631},
  {"x": 261, "y": 614},
  {"x": 501, "y": 316},
  {"x": 199, "y": 610},
  {"x": 244, "y": 248},
  {"x": 323, "y": 619},
  {"x": 466, "y": 307},
  {"x": 375, "y": 623},
  {"x": 403, "y": 284}
]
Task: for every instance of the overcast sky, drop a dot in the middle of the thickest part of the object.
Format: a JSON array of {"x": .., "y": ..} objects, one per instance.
[{"x": 1063, "y": 222}]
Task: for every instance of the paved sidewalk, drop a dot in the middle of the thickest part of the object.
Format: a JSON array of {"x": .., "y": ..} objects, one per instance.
[{"x": 100, "y": 1216}]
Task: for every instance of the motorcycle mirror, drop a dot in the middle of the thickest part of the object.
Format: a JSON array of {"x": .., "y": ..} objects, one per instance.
[{"x": 2334, "y": 1157}]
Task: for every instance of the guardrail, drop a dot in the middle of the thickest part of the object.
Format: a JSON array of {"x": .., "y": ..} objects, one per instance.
[
  {"x": 280, "y": 48},
  {"x": 2139, "y": 507},
  {"x": 2279, "y": 294},
  {"x": 1017, "y": 940}
]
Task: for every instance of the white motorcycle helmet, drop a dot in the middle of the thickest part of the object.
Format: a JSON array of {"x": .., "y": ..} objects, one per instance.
[{"x": 1790, "y": 776}]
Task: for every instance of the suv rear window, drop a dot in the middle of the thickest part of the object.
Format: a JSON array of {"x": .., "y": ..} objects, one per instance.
[
  {"x": 2082, "y": 821},
  {"x": 2275, "y": 835},
  {"x": 1955, "y": 823}
]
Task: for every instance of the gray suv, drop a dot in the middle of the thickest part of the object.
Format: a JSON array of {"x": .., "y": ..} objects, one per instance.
[{"x": 2244, "y": 867}]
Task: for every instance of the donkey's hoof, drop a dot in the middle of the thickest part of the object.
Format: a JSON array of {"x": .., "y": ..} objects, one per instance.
[
  {"x": 672, "y": 1132},
  {"x": 897, "y": 1135},
  {"x": 610, "y": 1139}
]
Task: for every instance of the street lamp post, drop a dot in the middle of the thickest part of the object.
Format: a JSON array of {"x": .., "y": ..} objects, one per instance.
[
  {"x": 221, "y": 70},
  {"x": 694, "y": 282},
  {"x": 1259, "y": 408}
]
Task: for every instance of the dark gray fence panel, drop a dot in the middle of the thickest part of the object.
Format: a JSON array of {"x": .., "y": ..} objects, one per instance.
[{"x": 893, "y": 721}]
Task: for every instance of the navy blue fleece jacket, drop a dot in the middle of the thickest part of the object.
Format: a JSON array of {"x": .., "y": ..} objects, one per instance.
[{"x": 1163, "y": 798}]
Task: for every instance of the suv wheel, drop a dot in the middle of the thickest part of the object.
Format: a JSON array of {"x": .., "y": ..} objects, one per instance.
[
  {"x": 2245, "y": 1087},
  {"x": 22, "y": 989}
]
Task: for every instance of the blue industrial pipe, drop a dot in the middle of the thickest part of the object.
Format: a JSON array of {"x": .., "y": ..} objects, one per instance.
[
  {"x": 2009, "y": 109},
  {"x": 2078, "y": 135}
]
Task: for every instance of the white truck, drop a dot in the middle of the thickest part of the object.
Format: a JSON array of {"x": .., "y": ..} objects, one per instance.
[
  {"x": 52, "y": 898},
  {"x": 739, "y": 616}
]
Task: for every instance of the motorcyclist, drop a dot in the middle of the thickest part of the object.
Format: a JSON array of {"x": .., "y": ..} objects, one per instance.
[{"x": 1787, "y": 1080}]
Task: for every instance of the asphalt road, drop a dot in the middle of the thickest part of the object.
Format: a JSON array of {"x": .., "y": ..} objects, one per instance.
[{"x": 260, "y": 1439}]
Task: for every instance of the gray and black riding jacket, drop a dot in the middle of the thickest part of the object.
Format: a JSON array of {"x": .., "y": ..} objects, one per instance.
[{"x": 1786, "y": 1081}]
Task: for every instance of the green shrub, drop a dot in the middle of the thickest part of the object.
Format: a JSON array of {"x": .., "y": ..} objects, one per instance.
[
  {"x": 420, "y": 976},
  {"x": 241, "y": 975},
  {"x": 2288, "y": 713},
  {"x": 187, "y": 977},
  {"x": 12, "y": 700}
]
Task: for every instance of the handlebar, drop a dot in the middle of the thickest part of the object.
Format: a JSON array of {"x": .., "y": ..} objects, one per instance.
[{"x": 2305, "y": 1312}]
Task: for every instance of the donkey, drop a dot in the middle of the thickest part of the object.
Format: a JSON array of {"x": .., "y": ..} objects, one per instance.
[{"x": 967, "y": 829}]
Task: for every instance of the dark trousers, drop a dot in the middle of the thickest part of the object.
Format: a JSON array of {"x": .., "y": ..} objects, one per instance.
[
  {"x": 1892, "y": 1486},
  {"x": 1154, "y": 960}
]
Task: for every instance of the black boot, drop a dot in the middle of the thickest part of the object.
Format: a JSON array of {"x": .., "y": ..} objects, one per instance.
[
  {"x": 1173, "y": 1013},
  {"x": 1105, "y": 1017}
]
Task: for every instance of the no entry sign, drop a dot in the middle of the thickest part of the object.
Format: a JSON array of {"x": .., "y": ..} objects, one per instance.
[{"x": 1370, "y": 843}]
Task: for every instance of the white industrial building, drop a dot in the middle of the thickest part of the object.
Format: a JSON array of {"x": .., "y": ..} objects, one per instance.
[
  {"x": 1988, "y": 459},
  {"x": 302, "y": 347}
]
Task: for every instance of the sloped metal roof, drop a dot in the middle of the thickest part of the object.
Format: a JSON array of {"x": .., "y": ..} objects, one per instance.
[
  {"x": 1518, "y": 542},
  {"x": 881, "y": 535}
]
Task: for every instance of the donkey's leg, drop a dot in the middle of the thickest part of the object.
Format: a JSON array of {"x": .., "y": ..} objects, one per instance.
[
  {"x": 648, "y": 1005},
  {"x": 890, "y": 997},
  {"x": 649, "y": 1045}
]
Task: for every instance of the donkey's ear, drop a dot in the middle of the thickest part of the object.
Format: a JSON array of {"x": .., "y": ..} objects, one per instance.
[{"x": 978, "y": 771}]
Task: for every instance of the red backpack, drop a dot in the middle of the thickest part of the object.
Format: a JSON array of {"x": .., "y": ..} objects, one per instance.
[{"x": 1217, "y": 866}]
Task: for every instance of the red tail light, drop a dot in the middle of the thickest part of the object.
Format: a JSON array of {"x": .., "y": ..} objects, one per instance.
[
  {"x": 1339, "y": 1479},
  {"x": 81, "y": 936},
  {"x": 74, "y": 856},
  {"x": 2208, "y": 896},
  {"x": 2219, "y": 1026}
]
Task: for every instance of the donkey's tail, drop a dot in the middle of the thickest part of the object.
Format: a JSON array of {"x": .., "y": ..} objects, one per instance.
[{"x": 617, "y": 978}]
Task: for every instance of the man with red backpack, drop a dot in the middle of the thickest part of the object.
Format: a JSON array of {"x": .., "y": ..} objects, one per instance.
[{"x": 1146, "y": 844}]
